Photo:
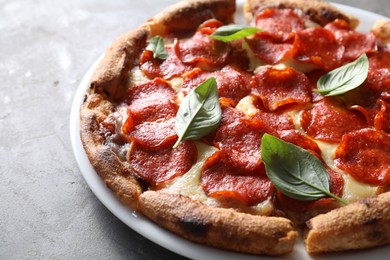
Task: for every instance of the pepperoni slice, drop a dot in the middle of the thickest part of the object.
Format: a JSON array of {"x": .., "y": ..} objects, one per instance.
[
  {"x": 328, "y": 120},
  {"x": 295, "y": 137},
  {"x": 167, "y": 69},
  {"x": 151, "y": 114},
  {"x": 379, "y": 81},
  {"x": 381, "y": 58},
  {"x": 277, "y": 88},
  {"x": 337, "y": 26},
  {"x": 382, "y": 119},
  {"x": 355, "y": 43},
  {"x": 239, "y": 139},
  {"x": 378, "y": 78},
  {"x": 268, "y": 51},
  {"x": 232, "y": 83},
  {"x": 313, "y": 77},
  {"x": 365, "y": 154},
  {"x": 151, "y": 101},
  {"x": 209, "y": 26},
  {"x": 153, "y": 92},
  {"x": 227, "y": 183},
  {"x": 318, "y": 46},
  {"x": 282, "y": 126},
  {"x": 274, "y": 122},
  {"x": 159, "y": 165},
  {"x": 281, "y": 24},
  {"x": 151, "y": 134},
  {"x": 202, "y": 51}
]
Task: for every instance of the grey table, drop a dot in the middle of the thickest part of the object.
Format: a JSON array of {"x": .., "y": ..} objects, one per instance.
[{"x": 47, "y": 209}]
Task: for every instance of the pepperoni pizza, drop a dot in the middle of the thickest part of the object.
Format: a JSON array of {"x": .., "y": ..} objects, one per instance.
[{"x": 236, "y": 136}]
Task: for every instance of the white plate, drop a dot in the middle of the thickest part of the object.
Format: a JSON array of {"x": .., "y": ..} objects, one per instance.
[{"x": 159, "y": 235}]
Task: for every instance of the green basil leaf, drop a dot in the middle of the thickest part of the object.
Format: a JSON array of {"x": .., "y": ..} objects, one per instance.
[
  {"x": 156, "y": 45},
  {"x": 233, "y": 32},
  {"x": 199, "y": 113},
  {"x": 345, "y": 78},
  {"x": 294, "y": 171}
]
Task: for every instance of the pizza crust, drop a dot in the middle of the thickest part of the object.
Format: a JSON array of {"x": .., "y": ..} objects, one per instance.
[
  {"x": 186, "y": 16},
  {"x": 319, "y": 11},
  {"x": 381, "y": 30},
  {"x": 219, "y": 227},
  {"x": 360, "y": 225},
  {"x": 121, "y": 56},
  {"x": 116, "y": 175}
]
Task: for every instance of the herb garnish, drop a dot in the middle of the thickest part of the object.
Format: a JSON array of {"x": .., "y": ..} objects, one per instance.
[
  {"x": 156, "y": 45},
  {"x": 233, "y": 32},
  {"x": 294, "y": 171},
  {"x": 199, "y": 113},
  {"x": 344, "y": 78}
]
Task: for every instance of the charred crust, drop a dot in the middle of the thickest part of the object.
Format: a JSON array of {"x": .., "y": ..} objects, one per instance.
[
  {"x": 218, "y": 227},
  {"x": 116, "y": 175},
  {"x": 366, "y": 202},
  {"x": 143, "y": 184},
  {"x": 186, "y": 16},
  {"x": 359, "y": 225},
  {"x": 381, "y": 30},
  {"x": 370, "y": 221},
  {"x": 318, "y": 11},
  {"x": 194, "y": 226},
  {"x": 377, "y": 236}
]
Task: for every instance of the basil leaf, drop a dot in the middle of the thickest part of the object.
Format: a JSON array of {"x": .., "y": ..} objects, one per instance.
[
  {"x": 345, "y": 78},
  {"x": 156, "y": 45},
  {"x": 233, "y": 32},
  {"x": 199, "y": 113},
  {"x": 294, "y": 171}
]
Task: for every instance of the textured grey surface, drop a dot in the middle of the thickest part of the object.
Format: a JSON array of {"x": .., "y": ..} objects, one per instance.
[{"x": 47, "y": 209}]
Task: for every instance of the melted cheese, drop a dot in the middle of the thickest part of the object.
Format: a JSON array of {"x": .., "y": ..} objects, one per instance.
[
  {"x": 189, "y": 183},
  {"x": 176, "y": 83},
  {"x": 246, "y": 105},
  {"x": 353, "y": 190},
  {"x": 136, "y": 76}
]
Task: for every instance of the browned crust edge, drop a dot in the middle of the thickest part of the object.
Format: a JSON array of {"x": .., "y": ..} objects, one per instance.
[
  {"x": 121, "y": 56},
  {"x": 186, "y": 16},
  {"x": 115, "y": 174},
  {"x": 381, "y": 30},
  {"x": 363, "y": 224},
  {"x": 319, "y": 11},
  {"x": 219, "y": 227}
]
